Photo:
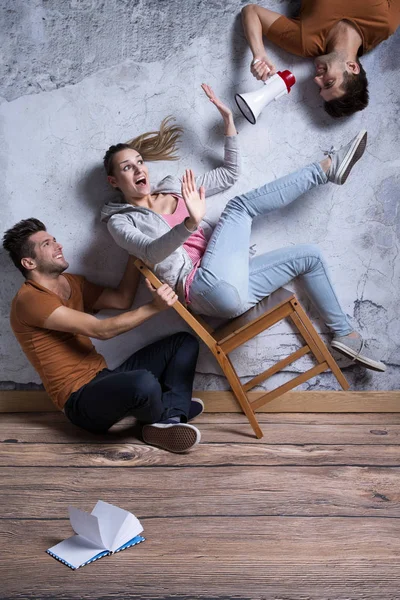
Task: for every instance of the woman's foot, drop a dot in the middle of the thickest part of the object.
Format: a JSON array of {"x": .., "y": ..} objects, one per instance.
[
  {"x": 340, "y": 162},
  {"x": 171, "y": 436},
  {"x": 352, "y": 346}
]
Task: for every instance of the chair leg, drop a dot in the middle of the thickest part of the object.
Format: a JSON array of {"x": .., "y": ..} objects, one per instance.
[
  {"x": 321, "y": 346},
  {"x": 238, "y": 391}
]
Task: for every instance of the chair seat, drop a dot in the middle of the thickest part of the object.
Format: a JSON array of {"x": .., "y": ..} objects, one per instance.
[{"x": 265, "y": 306}]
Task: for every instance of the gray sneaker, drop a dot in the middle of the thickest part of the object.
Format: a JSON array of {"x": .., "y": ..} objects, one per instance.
[
  {"x": 354, "y": 348},
  {"x": 344, "y": 159},
  {"x": 172, "y": 436}
]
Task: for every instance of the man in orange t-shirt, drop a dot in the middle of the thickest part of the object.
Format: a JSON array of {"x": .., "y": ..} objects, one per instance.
[
  {"x": 51, "y": 321},
  {"x": 336, "y": 32}
]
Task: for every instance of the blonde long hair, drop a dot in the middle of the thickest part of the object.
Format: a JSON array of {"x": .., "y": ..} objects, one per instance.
[{"x": 152, "y": 145}]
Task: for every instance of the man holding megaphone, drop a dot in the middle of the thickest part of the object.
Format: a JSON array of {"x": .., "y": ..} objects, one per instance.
[{"x": 336, "y": 33}]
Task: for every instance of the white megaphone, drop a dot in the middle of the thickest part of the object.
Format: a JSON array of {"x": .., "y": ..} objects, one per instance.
[{"x": 278, "y": 85}]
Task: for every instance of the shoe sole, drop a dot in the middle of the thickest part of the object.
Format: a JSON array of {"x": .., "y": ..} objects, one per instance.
[
  {"x": 362, "y": 360},
  {"x": 175, "y": 438},
  {"x": 353, "y": 155}
]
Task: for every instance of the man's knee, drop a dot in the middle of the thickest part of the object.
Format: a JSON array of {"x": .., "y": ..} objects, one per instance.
[
  {"x": 186, "y": 340},
  {"x": 143, "y": 384},
  {"x": 190, "y": 341}
]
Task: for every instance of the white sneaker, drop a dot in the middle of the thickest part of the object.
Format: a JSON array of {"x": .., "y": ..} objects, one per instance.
[
  {"x": 344, "y": 159},
  {"x": 354, "y": 348}
]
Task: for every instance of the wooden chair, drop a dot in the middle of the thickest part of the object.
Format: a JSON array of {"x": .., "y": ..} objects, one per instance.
[{"x": 224, "y": 339}]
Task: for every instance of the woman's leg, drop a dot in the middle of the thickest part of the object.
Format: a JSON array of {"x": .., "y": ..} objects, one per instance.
[
  {"x": 229, "y": 283},
  {"x": 221, "y": 284},
  {"x": 272, "y": 270}
]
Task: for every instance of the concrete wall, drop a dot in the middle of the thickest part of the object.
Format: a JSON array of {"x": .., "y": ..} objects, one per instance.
[{"x": 77, "y": 76}]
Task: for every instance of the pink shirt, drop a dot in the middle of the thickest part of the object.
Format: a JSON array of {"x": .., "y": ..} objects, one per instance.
[{"x": 195, "y": 245}]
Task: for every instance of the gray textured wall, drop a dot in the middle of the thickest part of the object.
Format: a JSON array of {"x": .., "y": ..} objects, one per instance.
[{"x": 77, "y": 76}]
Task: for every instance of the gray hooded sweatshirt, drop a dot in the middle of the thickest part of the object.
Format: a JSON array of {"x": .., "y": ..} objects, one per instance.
[{"x": 146, "y": 235}]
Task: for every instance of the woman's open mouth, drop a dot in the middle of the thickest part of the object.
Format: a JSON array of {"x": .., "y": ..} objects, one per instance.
[{"x": 141, "y": 182}]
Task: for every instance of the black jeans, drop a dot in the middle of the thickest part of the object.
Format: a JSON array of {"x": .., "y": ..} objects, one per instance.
[{"x": 152, "y": 385}]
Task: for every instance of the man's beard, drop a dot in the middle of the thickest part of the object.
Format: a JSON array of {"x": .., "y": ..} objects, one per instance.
[{"x": 52, "y": 269}]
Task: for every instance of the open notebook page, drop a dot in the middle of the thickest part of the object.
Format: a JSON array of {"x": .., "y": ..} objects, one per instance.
[
  {"x": 130, "y": 529},
  {"x": 117, "y": 526},
  {"x": 76, "y": 551},
  {"x": 86, "y": 525}
]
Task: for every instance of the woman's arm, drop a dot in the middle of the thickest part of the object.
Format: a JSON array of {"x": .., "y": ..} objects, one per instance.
[
  {"x": 223, "y": 177},
  {"x": 150, "y": 250},
  {"x": 225, "y": 111}
]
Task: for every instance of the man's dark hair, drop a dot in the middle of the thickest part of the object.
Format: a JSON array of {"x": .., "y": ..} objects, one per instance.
[
  {"x": 355, "y": 97},
  {"x": 17, "y": 241}
]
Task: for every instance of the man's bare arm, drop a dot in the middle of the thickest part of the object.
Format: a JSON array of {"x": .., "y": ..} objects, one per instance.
[
  {"x": 123, "y": 295},
  {"x": 77, "y": 322},
  {"x": 256, "y": 23}
]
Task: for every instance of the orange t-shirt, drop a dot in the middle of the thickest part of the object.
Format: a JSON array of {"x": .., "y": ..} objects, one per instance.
[
  {"x": 375, "y": 20},
  {"x": 64, "y": 361}
]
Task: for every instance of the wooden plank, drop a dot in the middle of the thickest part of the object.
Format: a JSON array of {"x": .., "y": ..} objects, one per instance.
[
  {"x": 199, "y": 326},
  {"x": 223, "y": 491},
  {"x": 139, "y": 455},
  {"x": 319, "y": 343},
  {"x": 294, "y": 382},
  {"x": 55, "y": 428},
  {"x": 226, "y": 418},
  {"x": 240, "y": 394},
  {"x": 207, "y": 558},
  {"x": 308, "y": 338},
  {"x": 314, "y": 402},
  {"x": 255, "y": 328},
  {"x": 277, "y": 367},
  {"x": 259, "y": 311},
  {"x": 382, "y": 401},
  {"x": 25, "y": 401}
]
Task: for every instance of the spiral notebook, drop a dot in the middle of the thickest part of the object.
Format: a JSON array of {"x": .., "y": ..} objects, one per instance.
[{"x": 104, "y": 531}]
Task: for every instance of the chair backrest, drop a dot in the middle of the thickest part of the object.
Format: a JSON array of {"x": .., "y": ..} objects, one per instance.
[{"x": 203, "y": 330}]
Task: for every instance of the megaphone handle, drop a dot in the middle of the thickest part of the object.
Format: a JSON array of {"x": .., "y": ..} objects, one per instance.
[{"x": 254, "y": 62}]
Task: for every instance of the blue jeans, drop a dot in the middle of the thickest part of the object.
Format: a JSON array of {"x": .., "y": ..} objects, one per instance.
[{"x": 228, "y": 283}]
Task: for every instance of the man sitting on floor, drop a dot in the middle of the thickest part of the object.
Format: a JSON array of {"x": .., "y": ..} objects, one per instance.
[
  {"x": 49, "y": 317},
  {"x": 336, "y": 33}
]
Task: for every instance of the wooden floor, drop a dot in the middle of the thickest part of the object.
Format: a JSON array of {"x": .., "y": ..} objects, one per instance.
[{"x": 310, "y": 512}]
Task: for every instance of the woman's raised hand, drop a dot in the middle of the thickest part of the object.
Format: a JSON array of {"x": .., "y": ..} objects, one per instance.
[
  {"x": 224, "y": 110},
  {"x": 194, "y": 200}
]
